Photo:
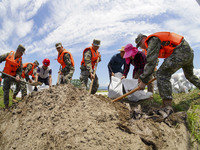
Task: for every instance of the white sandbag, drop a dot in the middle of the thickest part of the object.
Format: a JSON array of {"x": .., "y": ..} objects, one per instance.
[
  {"x": 115, "y": 87},
  {"x": 130, "y": 84},
  {"x": 29, "y": 88},
  {"x": 40, "y": 88}
]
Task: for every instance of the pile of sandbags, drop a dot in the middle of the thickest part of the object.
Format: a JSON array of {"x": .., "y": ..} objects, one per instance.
[
  {"x": 179, "y": 83},
  {"x": 116, "y": 88}
]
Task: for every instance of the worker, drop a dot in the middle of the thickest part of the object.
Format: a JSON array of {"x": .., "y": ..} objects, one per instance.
[
  {"x": 13, "y": 67},
  {"x": 26, "y": 71},
  {"x": 177, "y": 54},
  {"x": 137, "y": 59},
  {"x": 44, "y": 73},
  {"x": 90, "y": 56},
  {"x": 67, "y": 62},
  {"x": 116, "y": 62}
]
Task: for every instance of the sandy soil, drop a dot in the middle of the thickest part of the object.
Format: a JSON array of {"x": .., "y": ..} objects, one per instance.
[{"x": 69, "y": 118}]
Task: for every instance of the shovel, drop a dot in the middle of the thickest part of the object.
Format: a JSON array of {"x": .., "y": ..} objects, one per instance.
[
  {"x": 58, "y": 79},
  {"x": 132, "y": 91},
  {"x": 32, "y": 84},
  {"x": 94, "y": 76}
]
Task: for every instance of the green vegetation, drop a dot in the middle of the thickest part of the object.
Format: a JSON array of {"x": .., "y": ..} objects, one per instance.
[
  {"x": 1, "y": 98},
  {"x": 190, "y": 103}
]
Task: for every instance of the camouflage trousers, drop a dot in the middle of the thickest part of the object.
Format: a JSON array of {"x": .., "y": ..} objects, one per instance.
[
  {"x": 84, "y": 81},
  {"x": 20, "y": 86},
  {"x": 182, "y": 57},
  {"x": 66, "y": 78},
  {"x": 6, "y": 88}
]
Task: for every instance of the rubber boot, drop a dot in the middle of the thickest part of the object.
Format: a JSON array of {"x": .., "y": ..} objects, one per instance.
[
  {"x": 166, "y": 109},
  {"x": 14, "y": 99}
]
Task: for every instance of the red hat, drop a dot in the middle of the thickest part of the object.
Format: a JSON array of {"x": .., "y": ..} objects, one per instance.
[
  {"x": 46, "y": 62},
  {"x": 129, "y": 51}
]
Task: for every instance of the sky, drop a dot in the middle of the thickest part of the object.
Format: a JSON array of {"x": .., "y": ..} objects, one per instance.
[{"x": 39, "y": 24}]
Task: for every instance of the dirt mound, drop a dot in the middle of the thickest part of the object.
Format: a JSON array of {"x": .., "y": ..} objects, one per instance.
[{"x": 69, "y": 118}]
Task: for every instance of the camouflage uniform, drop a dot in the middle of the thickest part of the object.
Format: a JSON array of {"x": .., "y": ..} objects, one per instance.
[
  {"x": 85, "y": 72},
  {"x": 8, "y": 80},
  {"x": 68, "y": 71},
  {"x": 21, "y": 85},
  {"x": 182, "y": 57}
]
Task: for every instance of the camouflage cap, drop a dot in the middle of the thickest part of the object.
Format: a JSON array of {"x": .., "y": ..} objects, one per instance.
[
  {"x": 36, "y": 62},
  {"x": 139, "y": 39},
  {"x": 21, "y": 48},
  {"x": 96, "y": 42},
  {"x": 57, "y": 45}
]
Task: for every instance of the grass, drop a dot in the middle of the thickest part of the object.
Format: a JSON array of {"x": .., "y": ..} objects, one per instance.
[
  {"x": 190, "y": 103},
  {"x": 1, "y": 98}
]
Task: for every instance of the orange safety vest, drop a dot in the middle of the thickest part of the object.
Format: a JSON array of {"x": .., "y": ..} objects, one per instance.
[
  {"x": 144, "y": 51},
  {"x": 95, "y": 55},
  {"x": 60, "y": 58},
  {"x": 12, "y": 64},
  {"x": 169, "y": 41},
  {"x": 24, "y": 68}
]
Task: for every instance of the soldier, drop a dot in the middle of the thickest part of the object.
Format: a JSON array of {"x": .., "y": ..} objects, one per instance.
[
  {"x": 90, "y": 56},
  {"x": 13, "y": 67},
  {"x": 177, "y": 53},
  {"x": 67, "y": 62},
  {"x": 26, "y": 71}
]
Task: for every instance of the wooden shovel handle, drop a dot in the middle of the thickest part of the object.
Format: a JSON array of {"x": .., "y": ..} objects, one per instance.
[
  {"x": 91, "y": 84},
  {"x": 132, "y": 91}
]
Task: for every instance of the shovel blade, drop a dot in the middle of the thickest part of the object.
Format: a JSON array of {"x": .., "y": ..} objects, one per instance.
[{"x": 36, "y": 83}]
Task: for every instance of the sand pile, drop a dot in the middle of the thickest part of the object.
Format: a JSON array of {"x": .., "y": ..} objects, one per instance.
[{"x": 69, "y": 118}]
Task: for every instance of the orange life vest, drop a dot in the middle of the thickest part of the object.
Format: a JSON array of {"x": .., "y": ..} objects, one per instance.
[
  {"x": 60, "y": 58},
  {"x": 144, "y": 51},
  {"x": 24, "y": 68},
  {"x": 12, "y": 64},
  {"x": 94, "y": 58},
  {"x": 169, "y": 41},
  {"x": 0, "y": 79}
]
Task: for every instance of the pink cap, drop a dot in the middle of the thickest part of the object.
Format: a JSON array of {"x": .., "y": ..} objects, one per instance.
[{"x": 129, "y": 51}]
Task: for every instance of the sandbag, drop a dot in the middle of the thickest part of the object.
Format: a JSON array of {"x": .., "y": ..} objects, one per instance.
[
  {"x": 115, "y": 88},
  {"x": 130, "y": 84}
]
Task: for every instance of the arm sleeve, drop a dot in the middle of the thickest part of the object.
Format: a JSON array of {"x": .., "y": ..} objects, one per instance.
[
  {"x": 50, "y": 71},
  {"x": 110, "y": 64},
  {"x": 153, "y": 49},
  {"x": 27, "y": 70},
  {"x": 126, "y": 70},
  {"x": 87, "y": 58},
  {"x": 19, "y": 70},
  {"x": 3, "y": 57}
]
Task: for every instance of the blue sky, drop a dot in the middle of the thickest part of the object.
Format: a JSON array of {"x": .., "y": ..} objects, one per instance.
[{"x": 39, "y": 24}]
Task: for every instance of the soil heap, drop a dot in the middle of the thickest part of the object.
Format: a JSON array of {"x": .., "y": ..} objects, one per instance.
[{"x": 69, "y": 118}]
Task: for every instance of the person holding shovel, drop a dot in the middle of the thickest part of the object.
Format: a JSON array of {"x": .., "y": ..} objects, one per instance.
[
  {"x": 67, "y": 62},
  {"x": 90, "y": 58},
  {"x": 177, "y": 54},
  {"x": 26, "y": 71},
  {"x": 13, "y": 67}
]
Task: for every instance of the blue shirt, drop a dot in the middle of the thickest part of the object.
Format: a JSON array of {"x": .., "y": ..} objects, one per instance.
[{"x": 115, "y": 64}]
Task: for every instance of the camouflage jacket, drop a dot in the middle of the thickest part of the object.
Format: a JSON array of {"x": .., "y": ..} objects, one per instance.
[
  {"x": 153, "y": 49},
  {"x": 69, "y": 68}
]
